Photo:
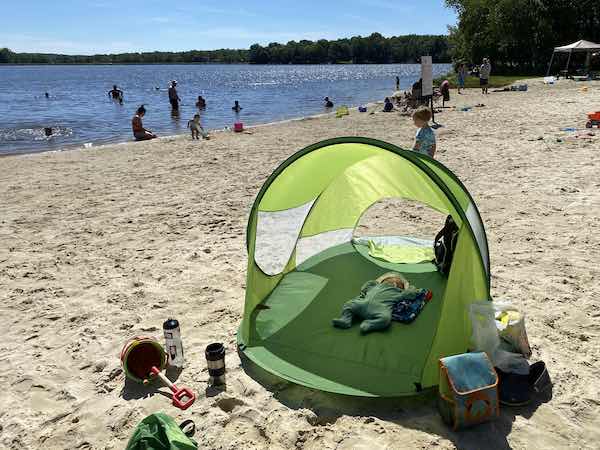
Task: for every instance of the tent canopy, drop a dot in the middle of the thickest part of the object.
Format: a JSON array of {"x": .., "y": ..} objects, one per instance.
[
  {"x": 576, "y": 47},
  {"x": 579, "y": 46},
  {"x": 303, "y": 265}
]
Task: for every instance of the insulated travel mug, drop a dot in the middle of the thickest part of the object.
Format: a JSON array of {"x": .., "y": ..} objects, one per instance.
[{"x": 215, "y": 360}]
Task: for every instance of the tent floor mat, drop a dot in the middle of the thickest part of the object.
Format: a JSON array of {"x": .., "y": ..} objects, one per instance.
[{"x": 292, "y": 334}]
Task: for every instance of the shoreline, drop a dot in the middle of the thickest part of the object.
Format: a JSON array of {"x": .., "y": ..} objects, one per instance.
[
  {"x": 81, "y": 147},
  {"x": 268, "y": 94}
]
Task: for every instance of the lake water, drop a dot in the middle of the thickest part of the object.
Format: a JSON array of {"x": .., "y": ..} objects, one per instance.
[{"x": 79, "y": 110}]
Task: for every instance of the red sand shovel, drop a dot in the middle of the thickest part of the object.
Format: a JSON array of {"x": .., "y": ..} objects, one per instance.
[{"x": 182, "y": 397}]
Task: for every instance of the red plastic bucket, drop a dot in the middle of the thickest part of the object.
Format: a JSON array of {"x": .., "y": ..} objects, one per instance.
[
  {"x": 238, "y": 127},
  {"x": 139, "y": 355}
]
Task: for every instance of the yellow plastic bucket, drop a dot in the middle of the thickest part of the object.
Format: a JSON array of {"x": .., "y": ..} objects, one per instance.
[{"x": 139, "y": 355}]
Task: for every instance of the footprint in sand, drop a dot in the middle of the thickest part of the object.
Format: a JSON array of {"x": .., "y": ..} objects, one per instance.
[{"x": 227, "y": 404}]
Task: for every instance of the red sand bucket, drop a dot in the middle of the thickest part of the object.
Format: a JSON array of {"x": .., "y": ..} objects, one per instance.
[
  {"x": 139, "y": 355},
  {"x": 238, "y": 127}
]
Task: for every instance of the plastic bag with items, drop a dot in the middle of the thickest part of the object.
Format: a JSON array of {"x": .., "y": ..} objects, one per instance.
[
  {"x": 160, "y": 432},
  {"x": 511, "y": 327},
  {"x": 485, "y": 338}
]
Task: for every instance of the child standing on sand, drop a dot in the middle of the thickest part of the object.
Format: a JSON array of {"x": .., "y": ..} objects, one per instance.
[
  {"x": 196, "y": 128},
  {"x": 461, "y": 76},
  {"x": 425, "y": 138}
]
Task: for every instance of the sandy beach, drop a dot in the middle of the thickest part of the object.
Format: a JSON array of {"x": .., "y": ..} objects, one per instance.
[{"x": 102, "y": 244}]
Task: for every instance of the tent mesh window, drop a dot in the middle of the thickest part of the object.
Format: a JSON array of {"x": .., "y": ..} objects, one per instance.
[{"x": 276, "y": 235}]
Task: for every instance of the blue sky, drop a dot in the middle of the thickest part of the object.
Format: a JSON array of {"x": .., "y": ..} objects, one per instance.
[{"x": 108, "y": 26}]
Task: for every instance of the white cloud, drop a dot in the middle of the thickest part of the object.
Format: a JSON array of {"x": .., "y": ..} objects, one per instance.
[
  {"x": 244, "y": 34},
  {"x": 229, "y": 12},
  {"x": 44, "y": 44},
  {"x": 212, "y": 10},
  {"x": 160, "y": 19},
  {"x": 355, "y": 18},
  {"x": 387, "y": 4},
  {"x": 203, "y": 39},
  {"x": 100, "y": 4}
]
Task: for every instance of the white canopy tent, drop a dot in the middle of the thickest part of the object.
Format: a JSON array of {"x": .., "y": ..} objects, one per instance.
[{"x": 576, "y": 47}]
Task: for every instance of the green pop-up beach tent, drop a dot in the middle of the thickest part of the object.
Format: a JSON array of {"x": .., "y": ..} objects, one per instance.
[{"x": 303, "y": 264}]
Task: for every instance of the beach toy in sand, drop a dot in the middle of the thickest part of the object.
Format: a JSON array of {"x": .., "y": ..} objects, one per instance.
[
  {"x": 238, "y": 127},
  {"x": 139, "y": 355},
  {"x": 342, "y": 111},
  {"x": 593, "y": 120},
  {"x": 143, "y": 358},
  {"x": 362, "y": 109},
  {"x": 182, "y": 398},
  {"x": 215, "y": 361},
  {"x": 173, "y": 344}
]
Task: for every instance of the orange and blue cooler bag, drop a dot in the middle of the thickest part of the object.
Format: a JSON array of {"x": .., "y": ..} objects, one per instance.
[{"x": 468, "y": 390}]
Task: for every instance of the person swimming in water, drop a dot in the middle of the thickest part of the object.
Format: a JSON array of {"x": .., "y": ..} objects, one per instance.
[
  {"x": 139, "y": 132},
  {"x": 328, "y": 103},
  {"x": 201, "y": 103},
  {"x": 236, "y": 107},
  {"x": 47, "y": 95},
  {"x": 116, "y": 94}
]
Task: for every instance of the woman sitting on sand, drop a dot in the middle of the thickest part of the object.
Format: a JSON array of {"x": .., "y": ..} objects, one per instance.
[
  {"x": 139, "y": 132},
  {"x": 388, "y": 106}
]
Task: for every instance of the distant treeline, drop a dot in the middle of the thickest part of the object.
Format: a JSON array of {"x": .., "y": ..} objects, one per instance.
[
  {"x": 223, "y": 56},
  {"x": 372, "y": 49},
  {"x": 519, "y": 35}
]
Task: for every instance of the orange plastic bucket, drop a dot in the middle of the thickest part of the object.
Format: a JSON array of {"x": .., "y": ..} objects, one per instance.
[{"x": 139, "y": 355}]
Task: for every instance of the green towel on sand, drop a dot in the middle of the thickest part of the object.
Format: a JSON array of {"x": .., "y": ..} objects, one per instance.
[{"x": 401, "y": 254}]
